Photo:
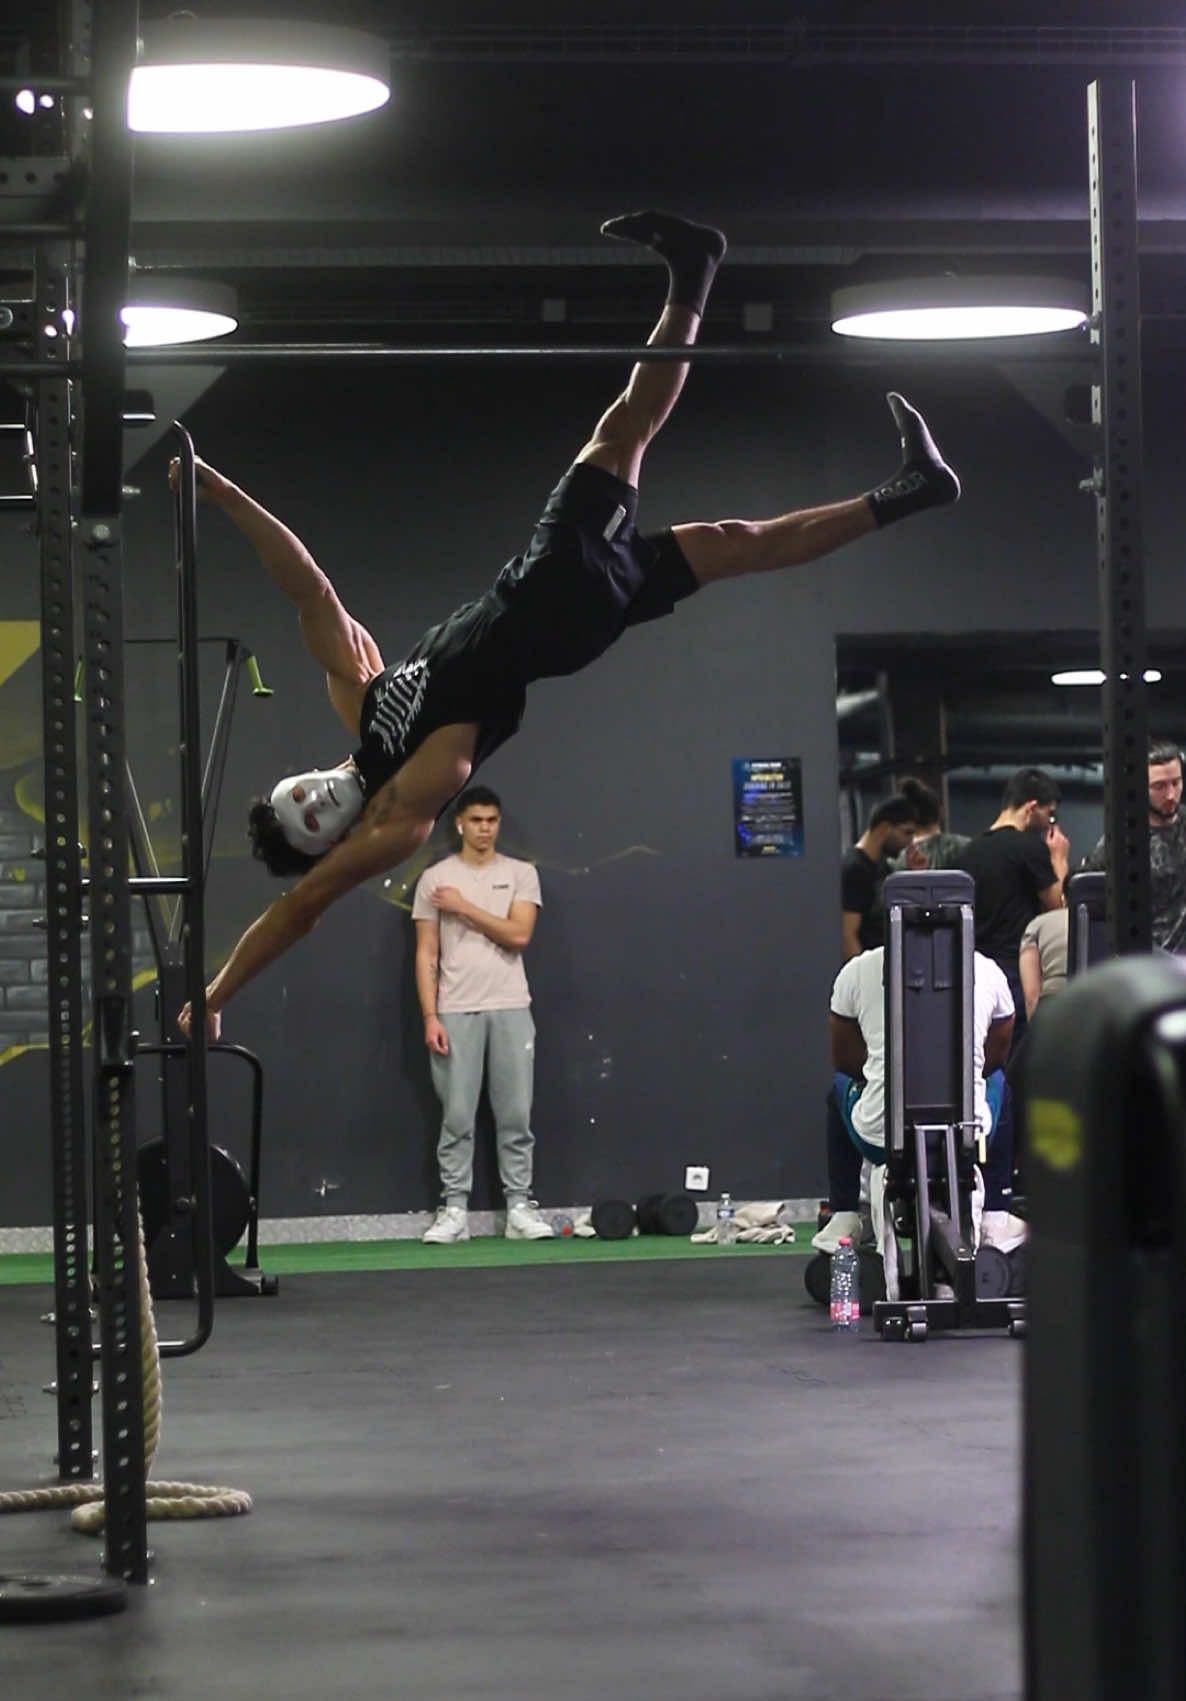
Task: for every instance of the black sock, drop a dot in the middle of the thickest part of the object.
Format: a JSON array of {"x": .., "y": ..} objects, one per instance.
[
  {"x": 924, "y": 480},
  {"x": 692, "y": 251}
]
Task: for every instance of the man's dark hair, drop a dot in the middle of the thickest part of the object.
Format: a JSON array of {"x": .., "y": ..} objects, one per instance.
[
  {"x": 928, "y": 811},
  {"x": 269, "y": 845},
  {"x": 1030, "y": 784},
  {"x": 896, "y": 809},
  {"x": 474, "y": 796},
  {"x": 1163, "y": 750}
]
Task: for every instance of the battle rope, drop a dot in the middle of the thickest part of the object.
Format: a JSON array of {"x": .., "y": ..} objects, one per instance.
[{"x": 165, "y": 1499}]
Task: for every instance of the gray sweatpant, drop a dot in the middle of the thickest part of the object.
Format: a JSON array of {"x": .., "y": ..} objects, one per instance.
[{"x": 499, "y": 1044}]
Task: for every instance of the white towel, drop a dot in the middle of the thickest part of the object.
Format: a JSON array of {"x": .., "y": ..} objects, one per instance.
[{"x": 764, "y": 1222}]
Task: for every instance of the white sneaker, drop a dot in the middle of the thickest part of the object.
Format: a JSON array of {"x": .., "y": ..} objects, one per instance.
[
  {"x": 450, "y": 1224},
  {"x": 839, "y": 1223},
  {"x": 1003, "y": 1230},
  {"x": 524, "y": 1222}
]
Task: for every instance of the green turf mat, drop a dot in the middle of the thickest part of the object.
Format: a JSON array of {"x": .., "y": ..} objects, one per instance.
[
  {"x": 483, "y": 1252},
  {"x": 18, "y": 1267}
]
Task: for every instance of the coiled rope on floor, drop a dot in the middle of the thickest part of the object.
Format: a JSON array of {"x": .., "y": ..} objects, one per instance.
[{"x": 164, "y": 1499}]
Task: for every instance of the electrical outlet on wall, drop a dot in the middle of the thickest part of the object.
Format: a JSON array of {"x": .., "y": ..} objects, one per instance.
[{"x": 696, "y": 1178}]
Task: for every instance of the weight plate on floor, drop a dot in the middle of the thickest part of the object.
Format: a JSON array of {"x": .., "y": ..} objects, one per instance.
[
  {"x": 817, "y": 1278},
  {"x": 872, "y": 1271},
  {"x": 29, "y": 1599},
  {"x": 613, "y": 1219},
  {"x": 678, "y": 1214},
  {"x": 992, "y": 1273}
]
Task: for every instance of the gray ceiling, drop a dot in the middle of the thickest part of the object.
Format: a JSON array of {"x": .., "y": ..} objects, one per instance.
[{"x": 833, "y": 144}]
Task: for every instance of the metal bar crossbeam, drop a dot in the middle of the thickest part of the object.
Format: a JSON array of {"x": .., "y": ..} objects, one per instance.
[
  {"x": 1060, "y": 349},
  {"x": 802, "y": 44},
  {"x": 1052, "y": 350}
]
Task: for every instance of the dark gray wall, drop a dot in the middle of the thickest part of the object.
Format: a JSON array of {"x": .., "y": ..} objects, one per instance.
[{"x": 681, "y": 994}]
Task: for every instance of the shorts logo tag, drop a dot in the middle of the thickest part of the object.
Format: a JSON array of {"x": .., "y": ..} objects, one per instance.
[{"x": 615, "y": 520}]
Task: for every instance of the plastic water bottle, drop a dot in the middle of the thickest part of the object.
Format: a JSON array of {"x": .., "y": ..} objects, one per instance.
[
  {"x": 845, "y": 1298},
  {"x": 726, "y": 1222}
]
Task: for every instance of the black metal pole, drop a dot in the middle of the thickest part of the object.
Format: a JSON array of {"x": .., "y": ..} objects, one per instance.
[
  {"x": 846, "y": 351},
  {"x": 216, "y": 756},
  {"x": 117, "y": 1232},
  {"x": 192, "y": 866},
  {"x": 63, "y": 876},
  {"x": 1116, "y": 407}
]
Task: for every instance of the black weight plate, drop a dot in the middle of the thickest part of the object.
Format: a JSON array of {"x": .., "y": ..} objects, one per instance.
[
  {"x": 871, "y": 1267},
  {"x": 613, "y": 1219},
  {"x": 31, "y": 1599},
  {"x": 678, "y": 1214},
  {"x": 992, "y": 1273},
  {"x": 646, "y": 1211},
  {"x": 817, "y": 1278}
]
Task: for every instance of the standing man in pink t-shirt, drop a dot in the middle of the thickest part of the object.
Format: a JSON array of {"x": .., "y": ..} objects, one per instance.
[{"x": 475, "y": 913}]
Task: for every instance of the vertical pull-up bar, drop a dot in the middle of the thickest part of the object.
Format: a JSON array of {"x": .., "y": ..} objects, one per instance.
[
  {"x": 192, "y": 979},
  {"x": 63, "y": 877},
  {"x": 1116, "y": 410},
  {"x": 117, "y": 1228}
]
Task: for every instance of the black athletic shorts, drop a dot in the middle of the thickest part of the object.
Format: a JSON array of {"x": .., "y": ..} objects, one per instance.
[{"x": 587, "y": 575}]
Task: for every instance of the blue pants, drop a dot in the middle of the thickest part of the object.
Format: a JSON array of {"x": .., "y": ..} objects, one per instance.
[{"x": 847, "y": 1150}]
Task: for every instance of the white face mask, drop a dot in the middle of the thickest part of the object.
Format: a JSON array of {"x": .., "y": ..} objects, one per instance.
[{"x": 316, "y": 809}]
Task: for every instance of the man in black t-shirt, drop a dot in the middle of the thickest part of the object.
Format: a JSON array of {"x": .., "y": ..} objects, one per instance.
[
  {"x": 863, "y": 869},
  {"x": 1019, "y": 866},
  {"x": 586, "y": 575}
]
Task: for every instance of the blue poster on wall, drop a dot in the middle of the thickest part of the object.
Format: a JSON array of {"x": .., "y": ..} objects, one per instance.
[{"x": 767, "y": 806}]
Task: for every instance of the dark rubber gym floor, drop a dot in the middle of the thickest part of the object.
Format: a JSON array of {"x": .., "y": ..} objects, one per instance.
[{"x": 653, "y": 1479}]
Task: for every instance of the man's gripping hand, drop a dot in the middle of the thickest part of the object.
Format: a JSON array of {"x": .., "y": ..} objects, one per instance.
[
  {"x": 213, "y": 1023},
  {"x": 211, "y": 485},
  {"x": 449, "y": 899},
  {"x": 436, "y": 1036}
]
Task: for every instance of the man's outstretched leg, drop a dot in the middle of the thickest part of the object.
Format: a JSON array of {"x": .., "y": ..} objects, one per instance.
[
  {"x": 730, "y": 548},
  {"x": 692, "y": 252}
]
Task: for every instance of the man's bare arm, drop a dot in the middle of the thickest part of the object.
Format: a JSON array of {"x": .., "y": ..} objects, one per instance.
[
  {"x": 513, "y": 932},
  {"x": 428, "y": 974},
  {"x": 848, "y": 1044},
  {"x": 368, "y": 851},
  {"x": 336, "y": 641},
  {"x": 996, "y": 1044},
  {"x": 1029, "y": 971},
  {"x": 850, "y": 928}
]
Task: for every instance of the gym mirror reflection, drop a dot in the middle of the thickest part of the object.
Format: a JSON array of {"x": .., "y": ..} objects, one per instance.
[{"x": 964, "y": 712}]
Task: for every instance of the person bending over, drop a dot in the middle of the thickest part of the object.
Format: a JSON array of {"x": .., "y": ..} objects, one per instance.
[
  {"x": 856, "y": 1098},
  {"x": 425, "y": 723}
]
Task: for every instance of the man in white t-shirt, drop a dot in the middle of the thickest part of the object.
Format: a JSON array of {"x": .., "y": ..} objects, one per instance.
[
  {"x": 475, "y": 913},
  {"x": 856, "y": 1102}
]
